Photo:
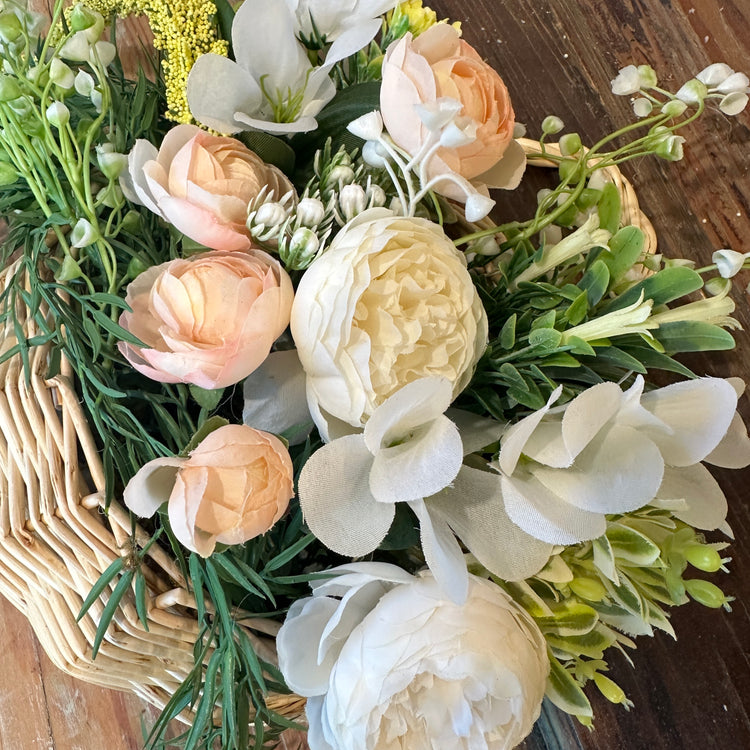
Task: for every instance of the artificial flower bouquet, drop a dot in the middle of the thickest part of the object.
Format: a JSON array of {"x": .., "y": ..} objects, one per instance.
[{"x": 426, "y": 452}]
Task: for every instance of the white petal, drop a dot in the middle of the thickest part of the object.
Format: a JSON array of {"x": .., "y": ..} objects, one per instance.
[
  {"x": 216, "y": 105},
  {"x": 477, "y": 206},
  {"x": 275, "y": 397},
  {"x": 619, "y": 472},
  {"x": 707, "y": 506},
  {"x": 151, "y": 486},
  {"x": 736, "y": 82},
  {"x": 442, "y": 553},
  {"x": 514, "y": 440},
  {"x": 733, "y": 452},
  {"x": 544, "y": 515},
  {"x": 476, "y": 431},
  {"x": 353, "y": 39},
  {"x": 298, "y": 662},
  {"x": 714, "y": 74},
  {"x": 412, "y": 406},
  {"x": 300, "y": 125},
  {"x": 698, "y": 411},
  {"x": 132, "y": 182},
  {"x": 506, "y": 174},
  {"x": 368, "y": 127},
  {"x": 473, "y": 507},
  {"x": 418, "y": 467},
  {"x": 734, "y": 103},
  {"x": 336, "y": 501},
  {"x": 587, "y": 414}
]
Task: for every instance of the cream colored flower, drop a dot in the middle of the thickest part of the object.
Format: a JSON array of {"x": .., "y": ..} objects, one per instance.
[
  {"x": 390, "y": 301},
  {"x": 386, "y": 661},
  {"x": 234, "y": 486}
]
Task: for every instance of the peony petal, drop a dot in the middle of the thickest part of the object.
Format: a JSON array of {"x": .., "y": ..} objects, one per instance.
[
  {"x": 733, "y": 451},
  {"x": 698, "y": 412},
  {"x": 507, "y": 173},
  {"x": 474, "y": 509},
  {"x": 304, "y": 625},
  {"x": 275, "y": 398},
  {"x": 620, "y": 472},
  {"x": 545, "y": 516},
  {"x": 336, "y": 500},
  {"x": 442, "y": 553},
  {"x": 183, "y": 508},
  {"x": 151, "y": 486},
  {"x": 215, "y": 106},
  {"x": 706, "y": 504},
  {"x": 418, "y": 467}
]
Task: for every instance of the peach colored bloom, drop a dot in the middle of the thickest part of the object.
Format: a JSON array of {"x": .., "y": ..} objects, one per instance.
[
  {"x": 202, "y": 184},
  {"x": 209, "y": 320},
  {"x": 234, "y": 486},
  {"x": 438, "y": 64}
]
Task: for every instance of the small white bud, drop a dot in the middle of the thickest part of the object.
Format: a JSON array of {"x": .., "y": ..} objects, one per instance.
[
  {"x": 732, "y": 104},
  {"x": 627, "y": 82},
  {"x": 110, "y": 162},
  {"x": 341, "y": 174},
  {"x": 455, "y": 134},
  {"x": 77, "y": 48},
  {"x": 104, "y": 53},
  {"x": 552, "y": 125},
  {"x": 303, "y": 247},
  {"x": 674, "y": 108},
  {"x": 374, "y": 154},
  {"x": 83, "y": 234},
  {"x": 270, "y": 214},
  {"x": 310, "y": 212},
  {"x": 669, "y": 147},
  {"x": 84, "y": 83},
  {"x": 642, "y": 107},
  {"x": 375, "y": 195},
  {"x": 368, "y": 127},
  {"x": 693, "y": 92},
  {"x": 352, "y": 200},
  {"x": 714, "y": 74},
  {"x": 736, "y": 82},
  {"x": 519, "y": 130},
  {"x": 477, "y": 206},
  {"x": 61, "y": 74},
  {"x": 436, "y": 115},
  {"x": 58, "y": 114},
  {"x": 647, "y": 76},
  {"x": 728, "y": 262},
  {"x": 486, "y": 246}
]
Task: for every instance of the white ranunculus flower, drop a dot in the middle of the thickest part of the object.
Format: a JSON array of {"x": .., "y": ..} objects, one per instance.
[
  {"x": 387, "y": 663},
  {"x": 389, "y": 302}
]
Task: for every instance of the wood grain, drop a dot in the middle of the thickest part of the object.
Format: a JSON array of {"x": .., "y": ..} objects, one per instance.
[{"x": 558, "y": 57}]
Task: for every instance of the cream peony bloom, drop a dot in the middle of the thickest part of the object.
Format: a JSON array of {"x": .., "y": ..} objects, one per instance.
[
  {"x": 234, "y": 486},
  {"x": 209, "y": 320},
  {"x": 388, "y": 303},
  {"x": 386, "y": 661}
]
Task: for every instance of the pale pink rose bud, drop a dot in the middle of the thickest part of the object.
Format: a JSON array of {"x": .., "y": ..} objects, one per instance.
[
  {"x": 209, "y": 320},
  {"x": 202, "y": 184},
  {"x": 233, "y": 487}
]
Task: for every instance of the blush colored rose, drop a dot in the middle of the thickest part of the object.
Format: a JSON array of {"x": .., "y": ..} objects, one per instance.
[
  {"x": 202, "y": 184},
  {"x": 234, "y": 486},
  {"x": 438, "y": 64},
  {"x": 389, "y": 302},
  {"x": 209, "y": 320}
]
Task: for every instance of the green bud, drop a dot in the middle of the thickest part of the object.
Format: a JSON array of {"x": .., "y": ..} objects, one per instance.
[
  {"x": 569, "y": 170},
  {"x": 131, "y": 223},
  {"x": 588, "y": 588},
  {"x": 609, "y": 689},
  {"x": 589, "y": 197},
  {"x": 570, "y": 144},
  {"x": 706, "y": 593},
  {"x": 58, "y": 114},
  {"x": 82, "y": 18},
  {"x": 674, "y": 108},
  {"x": 69, "y": 270},
  {"x": 647, "y": 76},
  {"x": 9, "y": 89},
  {"x": 399, "y": 26},
  {"x": 669, "y": 147},
  {"x": 136, "y": 267},
  {"x": 10, "y": 28},
  {"x": 302, "y": 249},
  {"x": 703, "y": 557},
  {"x": 552, "y": 125}
]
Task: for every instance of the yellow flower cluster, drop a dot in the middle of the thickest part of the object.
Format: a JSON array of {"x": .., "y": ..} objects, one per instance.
[
  {"x": 183, "y": 30},
  {"x": 420, "y": 17}
]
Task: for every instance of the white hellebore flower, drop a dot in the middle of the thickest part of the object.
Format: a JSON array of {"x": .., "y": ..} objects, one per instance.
[
  {"x": 607, "y": 451},
  {"x": 350, "y": 24},
  {"x": 385, "y": 661},
  {"x": 271, "y": 87}
]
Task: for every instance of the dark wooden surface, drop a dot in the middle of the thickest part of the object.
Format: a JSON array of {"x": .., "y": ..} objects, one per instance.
[{"x": 557, "y": 57}]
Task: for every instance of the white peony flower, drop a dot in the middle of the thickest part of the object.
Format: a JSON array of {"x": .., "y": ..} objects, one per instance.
[
  {"x": 609, "y": 451},
  {"x": 271, "y": 87},
  {"x": 389, "y": 302},
  {"x": 386, "y": 661}
]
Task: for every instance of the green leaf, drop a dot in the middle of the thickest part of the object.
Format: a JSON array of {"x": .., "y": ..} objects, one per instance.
[
  {"x": 577, "y": 310},
  {"x": 270, "y": 148},
  {"x": 565, "y": 692},
  {"x": 581, "y": 347},
  {"x": 604, "y": 559},
  {"x": 592, "y": 644},
  {"x": 663, "y": 287},
  {"x": 232, "y": 570},
  {"x": 656, "y": 360},
  {"x": 619, "y": 358},
  {"x": 561, "y": 359},
  {"x": 694, "y": 336},
  {"x": 211, "y": 424},
  {"x": 110, "y": 609},
  {"x": 206, "y": 399},
  {"x": 507, "y": 336},
  {"x": 196, "y": 580},
  {"x": 544, "y": 321},
  {"x": 141, "y": 603},
  {"x": 632, "y": 546},
  {"x": 570, "y": 618},
  {"x": 625, "y": 247},
  {"x": 404, "y": 531},
  {"x": 609, "y": 208},
  {"x": 224, "y": 17},
  {"x": 595, "y": 281},
  {"x": 545, "y": 339},
  {"x": 288, "y": 554},
  {"x": 102, "y": 582}
]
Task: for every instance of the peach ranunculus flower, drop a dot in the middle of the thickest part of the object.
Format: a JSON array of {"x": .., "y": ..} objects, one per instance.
[
  {"x": 201, "y": 183},
  {"x": 209, "y": 320},
  {"x": 424, "y": 73},
  {"x": 391, "y": 301},
  {"x": 234, "y": 486}
]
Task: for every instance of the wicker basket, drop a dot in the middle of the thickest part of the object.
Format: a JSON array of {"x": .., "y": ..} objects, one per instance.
[{"x": 55, "y": 539}]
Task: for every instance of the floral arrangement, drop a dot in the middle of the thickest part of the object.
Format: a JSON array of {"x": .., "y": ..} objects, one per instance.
[{"x": 430, "y": 447}]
